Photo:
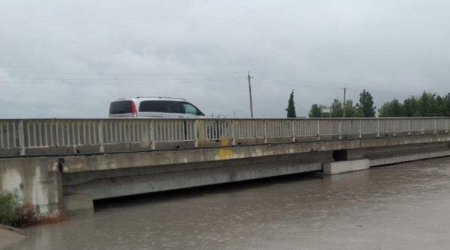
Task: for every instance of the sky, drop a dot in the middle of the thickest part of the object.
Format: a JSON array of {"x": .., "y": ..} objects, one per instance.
[{"x": 62, "y": 59}]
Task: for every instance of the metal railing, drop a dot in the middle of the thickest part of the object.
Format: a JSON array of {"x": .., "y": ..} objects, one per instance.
[{"x": 71, "y": 136}]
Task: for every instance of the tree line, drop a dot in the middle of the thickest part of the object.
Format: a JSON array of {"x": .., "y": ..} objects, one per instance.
[
  {"x": 427, "y": 104},
  {"x": 364, "y": 108}
]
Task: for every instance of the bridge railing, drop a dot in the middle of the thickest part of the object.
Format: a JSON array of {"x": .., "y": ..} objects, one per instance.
[{"x": 74, "y": 136}]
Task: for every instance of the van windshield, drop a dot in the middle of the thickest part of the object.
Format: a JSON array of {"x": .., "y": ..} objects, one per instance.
[
  {"x": 120, "y": 107},
  {"x": 160, "y": 106}
]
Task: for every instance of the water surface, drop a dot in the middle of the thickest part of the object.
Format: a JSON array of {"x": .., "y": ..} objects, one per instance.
[{"x": 405, "y": 206}]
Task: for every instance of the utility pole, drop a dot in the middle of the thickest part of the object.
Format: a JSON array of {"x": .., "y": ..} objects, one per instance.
[
  {"x": 343, "y": 104},
  {"x": 250, "y": 93}
]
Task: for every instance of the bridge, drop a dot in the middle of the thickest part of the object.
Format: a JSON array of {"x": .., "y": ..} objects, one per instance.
[{"x": 65, "y": 164}]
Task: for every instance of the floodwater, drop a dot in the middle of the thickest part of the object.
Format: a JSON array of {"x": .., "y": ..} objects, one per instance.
[{"x": 405, "y": 206}]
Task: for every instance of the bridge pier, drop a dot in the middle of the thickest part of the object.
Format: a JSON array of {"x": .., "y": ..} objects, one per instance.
[
  {"x": 35, "y": 181},
  {"x": 339, "y": 167}
]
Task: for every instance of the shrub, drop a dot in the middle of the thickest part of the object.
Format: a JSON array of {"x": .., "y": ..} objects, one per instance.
[
  {"x": 9, "y": 209},
  {"x": 12, "y": 213}
]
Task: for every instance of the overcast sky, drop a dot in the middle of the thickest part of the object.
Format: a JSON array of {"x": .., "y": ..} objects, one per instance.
[{"x": 71, "y": 58}]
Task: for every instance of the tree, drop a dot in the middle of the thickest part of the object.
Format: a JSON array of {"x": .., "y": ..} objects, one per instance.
[
  {"x": 352, "y": 110},
  {"x": 447, "y": 104},
  {"x": 336, "y": 108},
  {"x": 391, "y": 109},
  {"x": 291, "y": 106},
  {"x": 409, "y": 107},
  {"x": 316, "y": 111},
  {"x": 427, "y": 104},
  {"x": 365, "y": 106}
]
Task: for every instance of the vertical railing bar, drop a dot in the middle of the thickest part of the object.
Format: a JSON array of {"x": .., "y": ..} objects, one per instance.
[
  {"x": 152, "y": 134},
  {"x": 84, "y": 132},
  {"x": 293, "y": 130},
  {"x": 34, "y": 134},
  {"x": 395, "y": 127},
  {"x": 435, "y": 126},
  {"x": 409, "y": 127},
  {"x": 378, "y": 127},
  {"x": 77, "y": 128},
  {"x": 21, "y": 138},
  {"x": 446, "y": 126},
  {"x": 14, "y": 135},
  {"x": 318, "y": 129},
  {"x": 360, "y": 128},
  {"x": 233, "y": 132},
  {"x": 423, "y": 129},
  {"x": 46, "y": 133},
  {"x": 100, "y": 136},
  {"x": 50, "y": 131},
  {"x": 74, "y": 140},
  {"x": 39, "y": 127},
  {"x": 57, "y": 133},
  {"x": 196, "y": 133},
  {"x": 1, "y": 135},
  {"x": 8, "y": 143}
]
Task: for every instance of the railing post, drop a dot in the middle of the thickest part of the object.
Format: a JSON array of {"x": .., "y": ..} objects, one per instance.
[
  {"x": 100, "y": 136},
  {"x": 233, "y": 132},
  {"x": 378, "y": 127},
  {"x": 435, "y": 125},
  {"x": 265, "y": 131},
  {"x": 21, "y": 138},
  {"x": 152, "y": 134},
  {"x": 196, "y": 133},
  {"x": 360, "y": 128},
  {"x": 318, "y": 129},
  {"x": 293, "y": 130},
  {"x": 340, "y": 129},
  {"x": 395, "y": 127},
  {"x": 422, "y": 129},
  {"x": 409, "y": 127},
  {"x": 446, "y": 126}
]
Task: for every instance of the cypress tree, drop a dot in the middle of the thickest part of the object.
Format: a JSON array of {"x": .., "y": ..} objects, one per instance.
[{"x": 291, "y": 106}]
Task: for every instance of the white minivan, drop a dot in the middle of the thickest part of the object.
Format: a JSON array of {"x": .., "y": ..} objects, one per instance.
[{"x": 153, "y": 107}]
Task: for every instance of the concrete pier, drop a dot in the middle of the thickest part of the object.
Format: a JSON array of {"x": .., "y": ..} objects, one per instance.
[{"x": 345, "y": 166}]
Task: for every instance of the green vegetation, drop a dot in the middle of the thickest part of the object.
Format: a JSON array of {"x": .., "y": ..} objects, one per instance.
[
  {"x": 316, "y": 111},
  {"x": 426, "y": 105},
  {"x": 291, "y": 106},
  {"x": 12, "y": 213},
  {"x": 9, "y": 212},
  {"x": 364, "y": 108}
]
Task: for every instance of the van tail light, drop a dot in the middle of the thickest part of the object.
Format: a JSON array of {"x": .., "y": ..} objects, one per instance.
[{"x": 133, "y": 109}]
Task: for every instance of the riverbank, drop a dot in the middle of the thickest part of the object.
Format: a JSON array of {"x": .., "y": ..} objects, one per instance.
[{"x": 10, "y": 236}]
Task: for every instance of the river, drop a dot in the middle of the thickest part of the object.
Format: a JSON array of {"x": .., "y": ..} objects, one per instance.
[{"x": 404, "y": 206}]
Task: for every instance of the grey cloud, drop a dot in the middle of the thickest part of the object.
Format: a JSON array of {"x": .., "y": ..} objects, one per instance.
[{"x": 71, "y": 58}]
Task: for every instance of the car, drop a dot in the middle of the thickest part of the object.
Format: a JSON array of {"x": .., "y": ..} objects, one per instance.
[{"x": 153, "y": 107}]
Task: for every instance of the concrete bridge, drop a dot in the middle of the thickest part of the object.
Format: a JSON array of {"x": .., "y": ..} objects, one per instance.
[{"x": 65, "y": 164}]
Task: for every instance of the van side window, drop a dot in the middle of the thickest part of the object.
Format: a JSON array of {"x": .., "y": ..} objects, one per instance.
[
  {"x": 159, "y": 106},
  {"x": 190, "y": 109},
  {"x": 120, "y": 107}
]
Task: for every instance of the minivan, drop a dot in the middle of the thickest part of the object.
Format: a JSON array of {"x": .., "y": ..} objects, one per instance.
[{"x": 153, "y": 107}]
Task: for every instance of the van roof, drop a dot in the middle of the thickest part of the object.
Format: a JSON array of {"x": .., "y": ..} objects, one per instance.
[{"x": 153, "y": 98}]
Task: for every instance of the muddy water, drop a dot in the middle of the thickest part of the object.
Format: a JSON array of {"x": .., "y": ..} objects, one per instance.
[{"x": 404, "y": 206}]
